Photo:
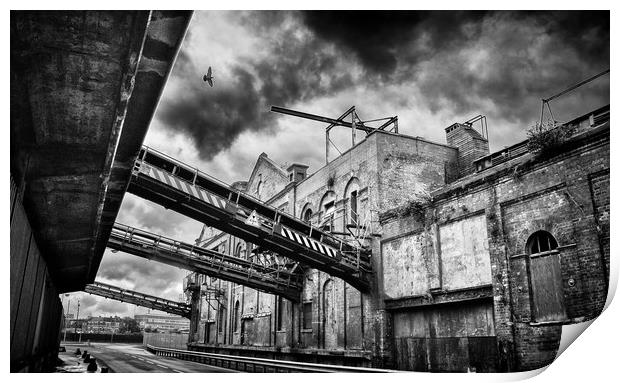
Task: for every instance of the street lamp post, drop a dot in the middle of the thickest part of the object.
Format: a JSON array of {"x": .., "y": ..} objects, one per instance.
[
  {"x": 64, "y": 340},
  {"x": 77, "y": 320}
]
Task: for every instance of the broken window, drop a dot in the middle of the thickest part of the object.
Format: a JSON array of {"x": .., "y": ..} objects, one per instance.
[
  {"x": 353, "y": 205},
  {"x": 328, "y": 208}
]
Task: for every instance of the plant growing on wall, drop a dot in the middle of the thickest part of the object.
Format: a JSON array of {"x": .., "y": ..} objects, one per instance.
[
  {"x": 547, "y": 137},
  {"x": 416, "y": 206}
]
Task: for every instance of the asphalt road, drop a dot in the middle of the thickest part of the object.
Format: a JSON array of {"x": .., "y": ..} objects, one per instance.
[{"x": 134, "y": 358}]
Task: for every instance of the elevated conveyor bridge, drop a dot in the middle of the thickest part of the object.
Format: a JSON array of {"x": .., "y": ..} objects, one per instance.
[
  {"x": 139, "y": 299},
  {"x": 282, "y": 279},
  {"x": 186, "y": 190}
]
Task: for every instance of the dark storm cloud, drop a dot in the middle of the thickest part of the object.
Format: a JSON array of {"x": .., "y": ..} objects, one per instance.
[
  {"x": 497, "y": 63},
  {"x": 380, "y": 38},
  {"x": 213, "y": 118},
  {"x": 527, "y": 55},
  {"x": 290, "y": 68},
  {"x": 377, "y": 38}
]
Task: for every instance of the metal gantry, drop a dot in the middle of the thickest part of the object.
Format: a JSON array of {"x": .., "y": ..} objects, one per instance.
[
  {"x": 138, "y": 299},
  {"x": 354, "y": 125},
  {"x": 186, "y": 190},
  {"x": 275, "y": 278}
]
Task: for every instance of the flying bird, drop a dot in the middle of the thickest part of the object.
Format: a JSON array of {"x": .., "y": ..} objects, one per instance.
[{"x": 208, "y": 77}]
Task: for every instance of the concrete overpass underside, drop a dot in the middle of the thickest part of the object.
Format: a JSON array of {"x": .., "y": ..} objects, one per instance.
[{"x": 84, "y": 88}]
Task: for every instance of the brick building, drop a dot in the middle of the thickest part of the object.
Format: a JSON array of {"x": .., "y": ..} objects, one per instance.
[
  {"x": 102, "y": 325},
  {"x": 162, "y": 323},
  {"x": 478, "y": 259}
]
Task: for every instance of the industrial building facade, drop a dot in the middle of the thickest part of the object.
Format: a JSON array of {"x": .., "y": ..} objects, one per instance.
[{"x": 478, "y": 259}]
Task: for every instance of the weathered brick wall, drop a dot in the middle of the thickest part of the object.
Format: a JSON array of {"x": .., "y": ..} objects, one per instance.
[
  {"x": 553, "y": 195},
  {"x": 599, "y": 186},
  {"x": 423, "y": 251},
  {"x": 409, "y": 169}
]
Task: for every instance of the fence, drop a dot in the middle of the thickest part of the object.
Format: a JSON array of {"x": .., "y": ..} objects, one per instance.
[
  {"x": 110, "y": 338},
  {"x": 242, "y": 363},
  {"x": 176, "y": 341}
]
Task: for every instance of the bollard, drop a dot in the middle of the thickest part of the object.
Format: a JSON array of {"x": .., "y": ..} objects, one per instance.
[
  {"x": 77, "y": 352},
  {"x": 92, "y": 365}
]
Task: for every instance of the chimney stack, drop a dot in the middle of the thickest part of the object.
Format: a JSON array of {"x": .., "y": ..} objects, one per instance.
[
  {"x": 296, "y": 172},
  {"x": 471, "y": 145}
]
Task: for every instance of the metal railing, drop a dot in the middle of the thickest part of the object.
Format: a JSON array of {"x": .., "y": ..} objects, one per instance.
[{"x": 248, "y": 364}]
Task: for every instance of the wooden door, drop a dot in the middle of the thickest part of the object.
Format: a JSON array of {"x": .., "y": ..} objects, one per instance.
[{"x": 547, "y": 290}]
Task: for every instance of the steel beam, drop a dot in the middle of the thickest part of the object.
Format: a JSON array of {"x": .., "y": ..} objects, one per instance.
[
  {"x": 183, "y": 189},
  {"x": 139, "y": 299},
  {"x": 274, "y": 279},
  {"x": 326, "y": 120}
]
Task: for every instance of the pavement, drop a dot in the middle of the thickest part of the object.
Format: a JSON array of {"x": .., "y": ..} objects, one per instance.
[{"x": 122, "y": 357}]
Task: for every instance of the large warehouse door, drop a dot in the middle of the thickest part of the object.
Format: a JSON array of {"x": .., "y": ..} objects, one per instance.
[{"x": 454, "y": 337}]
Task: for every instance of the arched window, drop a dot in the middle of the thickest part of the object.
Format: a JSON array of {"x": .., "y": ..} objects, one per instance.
[
  {"x": 541, "y": 242},
  {"x": 236, "y": 317},
  {"x": 306, "y": 213},
  {"x": 259, "y": 185},
  {"x": 328, "y": 208},
  {"x": 351, "y": 193}
]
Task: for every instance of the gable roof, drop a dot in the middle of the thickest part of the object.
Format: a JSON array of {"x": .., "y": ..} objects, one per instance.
[{"x": 263, "y": 158}]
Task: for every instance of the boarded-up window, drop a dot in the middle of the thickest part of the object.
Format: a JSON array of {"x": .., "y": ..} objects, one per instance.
[
  {"x": 546, "y": 278},
  {"x": 307, "y": 315},
  {"x": 221, "y": 319},
  {"x": 280, "y": 317},
  {"x": 236, "y": 318}
]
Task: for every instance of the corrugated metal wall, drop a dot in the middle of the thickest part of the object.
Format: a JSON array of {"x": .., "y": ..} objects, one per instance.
[{"x": 36, "y": 310}]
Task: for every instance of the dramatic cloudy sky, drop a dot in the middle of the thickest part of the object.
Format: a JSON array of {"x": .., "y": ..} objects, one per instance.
[{"x": 431, "y": 69}]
